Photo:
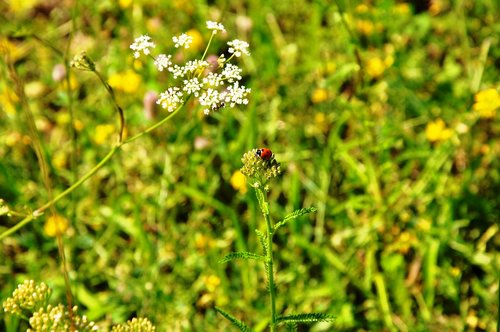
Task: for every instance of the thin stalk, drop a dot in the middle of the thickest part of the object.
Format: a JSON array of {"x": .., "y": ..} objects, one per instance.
[
  {"x": 269, "y": 260},
  {"x": 115, "y": 103},
  {"x": 38, "y": 212}
]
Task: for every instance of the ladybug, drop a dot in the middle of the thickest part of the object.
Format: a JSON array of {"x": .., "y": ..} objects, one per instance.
[{"x": 264, "y": 153}]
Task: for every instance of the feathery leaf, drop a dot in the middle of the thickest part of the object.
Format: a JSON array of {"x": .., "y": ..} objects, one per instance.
[
  {"x": 306, "y": 318},
  {"x": 294, "y": 215},
  {"x": 242, "y": 255},
  {"x": 236, "y": 322}
]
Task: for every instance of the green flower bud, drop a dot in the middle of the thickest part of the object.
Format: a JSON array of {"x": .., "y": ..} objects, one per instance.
[
  {"x": 83, "y": 62},
  {"x": 258, "y": 170}
]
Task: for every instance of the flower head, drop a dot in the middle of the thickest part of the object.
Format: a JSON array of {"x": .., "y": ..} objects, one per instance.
[
  {"x": 142, "y": 43},
  {"x": 216, "y": 84},
  {"x": 437, "y": 131},
  {"x": 55, "y": 224},
  {"x": 238, "y": 182},
  {"x": 57, "y": 318},
  {"x": 486, "y": 103},
  {"x": 162, "y": 61},
  {"x": 259, "y": 170},
  {"x": 27, "y": 296},
  {"x": 170, "y": 99},
  {"x": 135, "y": 324},
  {"x": 214, "y": 26},
  {"x": 83, "y": 62},
  {"x": 184, "y": 40},
  {"x": 237, "y": 47},
  {"x": 236, "y": 94}
]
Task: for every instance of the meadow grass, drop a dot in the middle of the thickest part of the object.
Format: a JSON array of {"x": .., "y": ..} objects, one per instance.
[{"x": 383, "y": 115}]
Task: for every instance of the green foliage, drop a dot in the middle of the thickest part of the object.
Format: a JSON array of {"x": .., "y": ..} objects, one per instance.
[
  {"x": 347, "y": 94},
  {"x": 306, "y": 318},
  {"x": 236, "y": 322},
  {"x": 292, "y": 216},
  {"x": 241, "y": 255}
]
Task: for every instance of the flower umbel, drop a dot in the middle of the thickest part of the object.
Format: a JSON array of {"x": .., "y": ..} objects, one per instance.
[
  {"x": 214, "y": 26},
  {"x": 57, "y": 318},
  {"x": 258, "y": 170},
  {"x": 215, "y": 85},
  {"x": 142, "y": 43},
  {"x": 183, "y": 40},
  {"x": 135, "y": 324},
  {"x": 28, "y": 296},
  {"x": 237, "y": 47}
]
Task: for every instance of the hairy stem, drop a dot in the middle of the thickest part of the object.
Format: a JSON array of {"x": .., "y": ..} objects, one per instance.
[{"x": 269, "y": 258}]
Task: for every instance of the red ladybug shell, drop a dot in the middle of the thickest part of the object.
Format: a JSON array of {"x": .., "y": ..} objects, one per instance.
[{"x": 264, "y": 153}]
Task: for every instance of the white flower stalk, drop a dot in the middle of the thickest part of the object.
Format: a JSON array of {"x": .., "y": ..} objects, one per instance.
[
  {"x": 183, "y": 40},
  {"x": 215, "y": 85},
  {"x": 238, "y": 47},
  {"x": 170, "y": 99},
  {"x": 162, "y": 61},
  {"x": 214, "y": 26},
  {"x": 142, "y": 43}
]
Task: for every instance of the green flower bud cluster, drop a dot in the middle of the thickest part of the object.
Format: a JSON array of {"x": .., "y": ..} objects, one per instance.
[
  {"x": 27, "y": 297},
  {"x": 135, "y": 325},
  {"x": 58, "y": 319},
  {"x": 258, "y": 169},
  {"x": 83, "y": 62},
  {"x": 30, "y": 300}
]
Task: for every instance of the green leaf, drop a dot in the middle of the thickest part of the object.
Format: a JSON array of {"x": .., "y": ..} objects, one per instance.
[
  {"x": 292, "y": 327},
  {"x": 241, "y": 255},
  {"x": 306, "y": 318},
  {"x": 262, "y": 240},
  {"x": 236, "y": 322},
  {"x": 294, "y": 215}
]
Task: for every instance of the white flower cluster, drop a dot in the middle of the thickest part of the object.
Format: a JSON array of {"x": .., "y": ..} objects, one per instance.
[
  {"x": 143, "y": 43},
  {"x": 214, "y": 85}
]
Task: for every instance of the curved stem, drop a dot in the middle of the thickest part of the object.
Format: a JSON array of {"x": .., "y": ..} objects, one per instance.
[
  {"x": 87, "y": 176},
  {"x": 117, "y": 107}
]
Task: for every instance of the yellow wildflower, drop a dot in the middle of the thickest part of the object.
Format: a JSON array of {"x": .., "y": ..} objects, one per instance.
[
  {"x": 375, "y": 67},
  {"x": 364, "y": 27},
  {"x": 128, "y": 81},
  {"x": 435, "y": 8},
  {"x": 437, "y": 131},
  {"x": 8, "y": 99},
  {"x": 21, "y": 7},
  {"x": 59, "y": 159},
  {"x": 197, "y": 44},
  {"x": 486, "y": 103},
  {"x": 319, "y": 95},
  {"x": 362, "y": 8},
  {"x": 73, "y": 83},
  {"x": 211, "y": 282},
  {"x": 238, "y": 181},
  {"x": 125, "y": 3},
  {"x": 78, "y": 125},
  {"x": 402, "y": 8},
  {"x": 102, "y": 133},
  {"x": 55, "y": 224}
]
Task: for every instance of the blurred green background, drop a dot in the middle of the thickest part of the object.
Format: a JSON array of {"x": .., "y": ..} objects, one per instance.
[{"x": 383, "y": 115}]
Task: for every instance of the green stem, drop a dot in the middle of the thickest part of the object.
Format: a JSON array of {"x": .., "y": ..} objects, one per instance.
[
  {"x": 269, "y": 258},
  {"x": 117, "y": 106},
  {"x": 208, "y": 45},
  {"x": 87, "y": 176}
]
